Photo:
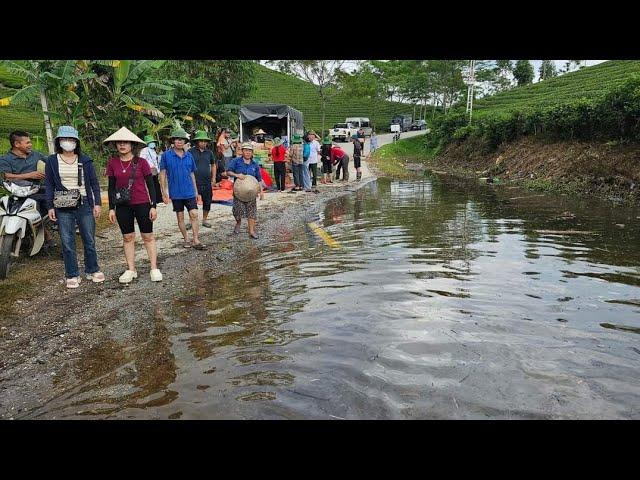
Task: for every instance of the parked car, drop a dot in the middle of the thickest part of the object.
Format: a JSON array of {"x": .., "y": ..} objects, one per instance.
[
  {"x": 343, "y": 131},
  {"x": 419, "y": 125}
]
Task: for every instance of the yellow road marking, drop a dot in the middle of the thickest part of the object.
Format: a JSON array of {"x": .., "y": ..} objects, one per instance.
[{"x": 328, "y": 239}]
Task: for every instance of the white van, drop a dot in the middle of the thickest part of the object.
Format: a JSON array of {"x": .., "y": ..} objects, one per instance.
[{"x": 361, "y": 123}]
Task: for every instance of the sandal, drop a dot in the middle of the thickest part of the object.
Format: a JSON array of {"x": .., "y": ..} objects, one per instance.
[
  {"x": 206, "y": 224},
  {"x": 73, "y": 282},
  {"x": 186, "y": 244},
  {"x": 199, "y": 246}
]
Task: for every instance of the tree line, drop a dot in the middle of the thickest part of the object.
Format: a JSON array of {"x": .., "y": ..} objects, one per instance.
[{"x": 148, "y": 96}]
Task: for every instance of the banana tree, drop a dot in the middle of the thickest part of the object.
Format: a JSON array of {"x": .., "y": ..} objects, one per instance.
[{"x": 36, "y": 81}]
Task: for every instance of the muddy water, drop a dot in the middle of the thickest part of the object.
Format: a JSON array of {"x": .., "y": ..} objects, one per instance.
[{"x": 442, "y": 299}]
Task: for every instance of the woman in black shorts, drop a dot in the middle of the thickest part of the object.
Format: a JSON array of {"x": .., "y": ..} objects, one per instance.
[{"x": 127, "y": 171}]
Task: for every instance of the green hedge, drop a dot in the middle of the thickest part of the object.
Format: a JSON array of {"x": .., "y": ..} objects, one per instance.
[{"x": 614, "y": 115}]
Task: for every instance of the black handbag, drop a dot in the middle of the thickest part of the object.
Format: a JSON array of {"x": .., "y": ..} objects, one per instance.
[
  {"x": 123, "y": 195},
  {"x": 69, "y": 198}
]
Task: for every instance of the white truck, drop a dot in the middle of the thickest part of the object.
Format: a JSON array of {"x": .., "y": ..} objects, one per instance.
[
  {"x": 361, "y": 122},
  {"x": 343, "y": 131}
]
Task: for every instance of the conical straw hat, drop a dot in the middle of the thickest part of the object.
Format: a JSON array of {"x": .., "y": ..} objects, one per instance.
[
  {"x": 246, "y": 189},
  {"x": 124, "y": 135}
]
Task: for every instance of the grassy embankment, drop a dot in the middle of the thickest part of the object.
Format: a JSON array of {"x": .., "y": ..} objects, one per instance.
[{"x": 576, "y": 134}]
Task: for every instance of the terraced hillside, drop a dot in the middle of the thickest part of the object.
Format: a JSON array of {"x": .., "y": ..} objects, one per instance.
[
  {"x": 12, "y": 117},
  {"x": 588, "y": 83},
  {"x": 276, "y": 87}
]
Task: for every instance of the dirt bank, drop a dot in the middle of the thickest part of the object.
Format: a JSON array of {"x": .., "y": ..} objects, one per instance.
[{"x": 606, "y": 170}]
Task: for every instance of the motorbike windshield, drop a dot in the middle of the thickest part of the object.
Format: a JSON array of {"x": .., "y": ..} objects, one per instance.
[{"x": 21, "y": 188}]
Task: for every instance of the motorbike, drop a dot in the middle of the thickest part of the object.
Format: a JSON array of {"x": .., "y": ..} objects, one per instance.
[{"x": 21, "y": 225}]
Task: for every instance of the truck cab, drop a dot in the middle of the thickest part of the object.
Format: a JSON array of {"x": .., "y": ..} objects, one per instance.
[{"x": 361, "y": 123}]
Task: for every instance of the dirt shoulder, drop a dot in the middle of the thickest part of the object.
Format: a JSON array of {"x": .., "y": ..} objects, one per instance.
[{"x": 46, "y": 329}]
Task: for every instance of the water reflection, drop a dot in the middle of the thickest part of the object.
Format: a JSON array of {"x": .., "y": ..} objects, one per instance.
[{"x": 446, "y": 299}]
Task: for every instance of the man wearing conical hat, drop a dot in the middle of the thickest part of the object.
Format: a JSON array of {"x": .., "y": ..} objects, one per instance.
[
  {"x": 205, "y": 173},
  {"x": 178, "y": 182}
]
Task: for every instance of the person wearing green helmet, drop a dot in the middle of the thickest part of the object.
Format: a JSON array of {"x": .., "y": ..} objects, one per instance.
[
  {"x": 325, "y": 156},
  {"x": 205, "y": 173},
  {"x": 178, "y": 181}
]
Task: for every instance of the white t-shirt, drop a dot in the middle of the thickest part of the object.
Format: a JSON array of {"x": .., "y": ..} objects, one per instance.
[
  {"x": 315, "y": 149},
  {"x": 150, "y": 155},
  {"x": 68, "y": 173}
]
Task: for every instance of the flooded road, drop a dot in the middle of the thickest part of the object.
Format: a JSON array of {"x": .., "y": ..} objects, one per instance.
[{"x": 436, "y": 298}]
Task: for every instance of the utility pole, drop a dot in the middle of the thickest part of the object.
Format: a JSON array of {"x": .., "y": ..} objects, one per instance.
[{"x": 471, "y": 84}]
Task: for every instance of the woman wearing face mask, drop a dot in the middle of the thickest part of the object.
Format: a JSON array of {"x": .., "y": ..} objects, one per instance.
[
  {"x": 69, "y": 169},
  {"x": 127, "y": 171},
  {"x": 151, "y": 156}
]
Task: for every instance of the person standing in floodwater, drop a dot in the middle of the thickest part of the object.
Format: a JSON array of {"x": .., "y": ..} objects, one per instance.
[{"x": 240, "y": 167}]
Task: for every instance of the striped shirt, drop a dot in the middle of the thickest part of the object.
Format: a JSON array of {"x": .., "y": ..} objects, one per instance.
[{"x": 68, "y": 173}]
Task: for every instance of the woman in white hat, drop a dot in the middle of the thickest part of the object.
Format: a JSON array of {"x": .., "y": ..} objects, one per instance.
[
  {"x": 132, "y": 197},
  {"x": 239, "y": 168}
]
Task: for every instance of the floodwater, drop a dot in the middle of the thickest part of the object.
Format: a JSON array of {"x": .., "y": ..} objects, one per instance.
[{"x": 441, "y": 299}]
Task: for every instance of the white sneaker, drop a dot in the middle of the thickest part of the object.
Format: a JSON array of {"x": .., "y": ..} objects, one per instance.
[
  {"x": 156, "y": 275},
  {"x": 128, "y": 276},
  {"x": 97, "y": 277}
]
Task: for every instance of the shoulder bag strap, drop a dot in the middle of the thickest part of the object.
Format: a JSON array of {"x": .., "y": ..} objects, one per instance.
[
  {"x": 132, "y": 177},
  {"x": 79, "y": 172}
]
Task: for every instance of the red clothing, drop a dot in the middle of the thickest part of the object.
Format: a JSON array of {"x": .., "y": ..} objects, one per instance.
[
  {"x": 336, "y": 154},
  {"x": 277, "y": 153},
  {"x": 266, "y": 178},
  {"x": 139, "y": 193}
]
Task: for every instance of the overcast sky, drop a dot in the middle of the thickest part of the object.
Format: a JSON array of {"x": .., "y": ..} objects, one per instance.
[{"x": 351, "y": 65}]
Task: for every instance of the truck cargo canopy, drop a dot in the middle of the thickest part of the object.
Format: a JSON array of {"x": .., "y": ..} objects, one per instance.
[{"x": 254, "y": 111}]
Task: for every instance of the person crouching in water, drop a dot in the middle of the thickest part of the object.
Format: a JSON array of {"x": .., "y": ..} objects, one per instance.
[
  {"x": 240, "y": 167},
  {"x": 341, "y": 160},
  {"x": 325, "y": 156},
  {"x": 130, "y": 173},
  {"x": 357, "y": 153}
]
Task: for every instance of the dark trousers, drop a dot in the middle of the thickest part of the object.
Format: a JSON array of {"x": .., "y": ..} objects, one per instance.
[
  {"x": 280, "y": 172},
  {"x": 156, "y": 185},
  {"x": 313, "y": 168},
  {"x": 297, "y": 174}
]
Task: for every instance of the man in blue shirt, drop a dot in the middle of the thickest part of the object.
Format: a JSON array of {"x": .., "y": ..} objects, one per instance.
[
  {"x": 178, "y": 167},
  {"x": 241, "y": 167}
]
